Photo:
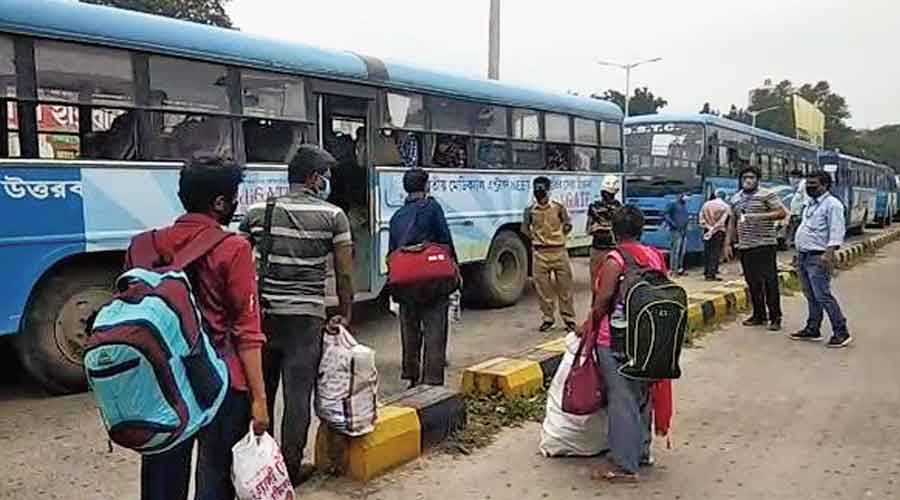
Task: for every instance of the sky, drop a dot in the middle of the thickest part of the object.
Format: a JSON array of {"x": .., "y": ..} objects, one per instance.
[{"x": 712, "y": 50}]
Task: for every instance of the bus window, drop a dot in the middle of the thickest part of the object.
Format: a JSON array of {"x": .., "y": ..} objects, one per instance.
[
  {"x": 272, "y": 141},
  {"x": 765, "y": 166},
  {"x": 187, "y": 85},
  {"x": 610, "y": 135},
  {"x": 490, "y": 154},
  {"x": 491, "y": 121},
  {"x": 9, "y": 125},
  {"x": 586, "y": 132},
  {"x": 777, "y": 172},
  {"x": 83, "y": 74},
  {"x": 450, "y": 115},
  {"x": 724, "y": 164},
  {"x": 610, "y": 160},
  {"x": 178, "y": 136},
  {"x": 269, "y": 95},
  {"x": 527, "y": 155},
  {"x": 404, "y": 111},
  {"x": 450, "y": 151},
  {"x": 526, "y": 125},
  {"x": 584, "y": 159},
  {"x": 558, "y": 157},
  {"x": 556, "y": 128}
]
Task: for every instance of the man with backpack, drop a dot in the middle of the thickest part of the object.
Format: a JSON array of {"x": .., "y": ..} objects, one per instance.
[
  {"x": 424, "y": 306},
  {"x": 547, "y": 224},
  {"x": 632, "y": 280},
  {"x": 294, "y": 236},
  {"x": 224, "y": 285}
]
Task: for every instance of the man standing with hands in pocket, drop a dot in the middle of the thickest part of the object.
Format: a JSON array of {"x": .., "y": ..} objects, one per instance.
[
  {"x": 819, "y": 236},
  {"x": 753, "y": 227}
]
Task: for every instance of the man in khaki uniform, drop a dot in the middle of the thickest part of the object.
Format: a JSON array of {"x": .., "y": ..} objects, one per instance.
[{"x": 547, "y": 224}]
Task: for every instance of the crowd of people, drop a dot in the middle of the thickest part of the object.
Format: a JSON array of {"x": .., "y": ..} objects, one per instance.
[{"x": 266, "y": 314}]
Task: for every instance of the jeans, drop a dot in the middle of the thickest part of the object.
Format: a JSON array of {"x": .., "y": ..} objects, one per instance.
[
  {"x": 628, "y": 411},
  {"x": 761, "y": 274},
  {"x": 165, "y": 476},
  {"x": 424, "y": 325},
  {"x": 816, "y": 282},
  {"x": 712, "y": 251},
  {"x": 677, "y": 250},
  {"x": 292, "y": 357}
]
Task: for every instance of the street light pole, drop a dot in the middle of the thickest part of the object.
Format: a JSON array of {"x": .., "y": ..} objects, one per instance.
[
  {"x": 628, "y": 68},
  {"x": 754, "y": 114}
]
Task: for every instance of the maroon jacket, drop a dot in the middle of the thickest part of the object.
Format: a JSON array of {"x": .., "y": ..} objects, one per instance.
[{"x": 224, "y": 284}]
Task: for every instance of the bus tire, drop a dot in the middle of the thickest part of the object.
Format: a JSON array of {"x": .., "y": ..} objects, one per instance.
[
  {"x": 500, "y": 280},
  {"x": 51, "y": 344}
]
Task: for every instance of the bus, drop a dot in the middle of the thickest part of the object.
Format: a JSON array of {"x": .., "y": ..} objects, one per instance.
[
  {"x": 101, "y": 106},
  {"x": 886, "y": 201},
  {"x": 856, "y": 183},
  {"x": 699, "y": 154}
]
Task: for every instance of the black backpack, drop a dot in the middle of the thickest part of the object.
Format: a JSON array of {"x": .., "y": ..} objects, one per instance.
[{"x": 648, "y": 322}]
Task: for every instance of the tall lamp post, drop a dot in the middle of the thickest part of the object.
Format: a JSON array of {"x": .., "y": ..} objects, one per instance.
[
  {"x": 754, "y": 114},
  {"x": 628, "y": 68}
]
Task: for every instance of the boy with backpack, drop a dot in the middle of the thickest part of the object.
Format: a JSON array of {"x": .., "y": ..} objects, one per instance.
[
  {"x": 636, "y": 352},
  {"x": 223, "y": 282}
]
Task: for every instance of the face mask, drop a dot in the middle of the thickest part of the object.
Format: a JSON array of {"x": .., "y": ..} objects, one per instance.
[
  {"x": 540, "y": 194},
  {"x": 325, "y": 191},
  {"x": 812, "y": 192}
]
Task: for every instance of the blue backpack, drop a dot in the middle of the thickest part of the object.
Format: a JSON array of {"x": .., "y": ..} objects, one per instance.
[{"x": 154, "y": 373}]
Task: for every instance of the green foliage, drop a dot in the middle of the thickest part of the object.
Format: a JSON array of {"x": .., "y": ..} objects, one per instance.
[
  {"x": 199, "y": 11},
  {"x": 643, "y": 102}
]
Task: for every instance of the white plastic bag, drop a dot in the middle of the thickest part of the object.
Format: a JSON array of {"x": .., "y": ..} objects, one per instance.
[
  {"x": 347, "y": 385},
  {"x": 566, "y": 435},
  {"x": 258, "y": 471}
]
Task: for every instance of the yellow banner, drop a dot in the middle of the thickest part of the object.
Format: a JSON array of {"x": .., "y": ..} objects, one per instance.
[{"x": 809, "y": 121}]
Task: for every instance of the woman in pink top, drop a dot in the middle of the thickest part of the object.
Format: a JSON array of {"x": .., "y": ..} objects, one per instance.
[{"x": 629, "y": 402}]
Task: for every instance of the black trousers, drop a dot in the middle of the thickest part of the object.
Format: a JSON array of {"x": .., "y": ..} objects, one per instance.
[
  {"x": 165, "y": 476},
  {"x": 712, "y": 250},
  {"x": 292, "y": 356},
  {"x": 761, "y": 273},
  {"x": 424, "y": 326}
]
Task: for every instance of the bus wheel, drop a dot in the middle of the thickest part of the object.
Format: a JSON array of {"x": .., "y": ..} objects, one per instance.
[
  {"x": 52, "y": 342},
  {"x": 500, "y": 280}
]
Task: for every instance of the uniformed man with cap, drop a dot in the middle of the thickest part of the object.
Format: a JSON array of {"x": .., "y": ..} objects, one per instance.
[
  {"x": 547, "y": 224},
  {"x": 599, "y": 222}
]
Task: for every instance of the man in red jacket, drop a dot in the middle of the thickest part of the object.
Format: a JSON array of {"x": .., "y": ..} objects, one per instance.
[{"x": 224, "y": 284}]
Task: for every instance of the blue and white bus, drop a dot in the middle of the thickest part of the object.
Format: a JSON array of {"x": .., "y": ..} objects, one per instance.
[
  {"x": 856, "y": 183},
  {"x": 886, "y": 201},
  {"x": 698, "y": 154},
  {"x": 100, "y": 106}
]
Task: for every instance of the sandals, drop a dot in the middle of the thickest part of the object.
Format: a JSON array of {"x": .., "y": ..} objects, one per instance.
[{"x": 612, "y": 473}]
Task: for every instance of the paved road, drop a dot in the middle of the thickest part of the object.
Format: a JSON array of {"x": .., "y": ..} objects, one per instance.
[
  {"x": 759, "y": 416},
  {"x": 56, "y": 448}
]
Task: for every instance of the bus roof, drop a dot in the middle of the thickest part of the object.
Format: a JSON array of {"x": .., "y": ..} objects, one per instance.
[
  {"x": 856, "y": 159},
  {"x": 705, "y": 119},
  {"x": 76, "y": 21}
]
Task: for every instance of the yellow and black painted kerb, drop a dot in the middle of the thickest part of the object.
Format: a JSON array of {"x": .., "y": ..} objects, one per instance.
[{"x": 423, "y": 416}]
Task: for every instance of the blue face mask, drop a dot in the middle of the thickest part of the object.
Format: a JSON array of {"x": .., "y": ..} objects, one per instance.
[{"x": 324, "y": 192}]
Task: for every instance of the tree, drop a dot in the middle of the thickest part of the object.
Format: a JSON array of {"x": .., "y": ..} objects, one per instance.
[
  {"x": 643, "y": 102},
  {"x": 707, "y": 110},
  {"x": 199, "y": 11}
]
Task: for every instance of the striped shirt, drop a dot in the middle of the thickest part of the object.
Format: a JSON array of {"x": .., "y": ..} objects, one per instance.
[
  {"x": 755, "y": 233},
  {"x": 305, "y": 232}
]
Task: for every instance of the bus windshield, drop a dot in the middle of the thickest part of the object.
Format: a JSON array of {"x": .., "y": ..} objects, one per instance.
[{"x": 663, "y": 145}]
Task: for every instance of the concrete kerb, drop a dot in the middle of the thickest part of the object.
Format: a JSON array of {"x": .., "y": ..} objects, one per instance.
[{"x": 422, "y": 417}]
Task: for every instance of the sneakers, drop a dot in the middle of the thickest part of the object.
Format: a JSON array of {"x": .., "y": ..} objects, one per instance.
[
  {"x": 806, "y": 335},
  {"x": 751, "y": 321},
  {"x": 545, "y": 326},
  {"x": 775, "y": 325},
  {"x": 571, "y": 327},
  {"x": 838, "y": 341}
]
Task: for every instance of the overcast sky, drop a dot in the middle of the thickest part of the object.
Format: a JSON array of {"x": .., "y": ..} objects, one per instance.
[{"x": 712, "y": 50}]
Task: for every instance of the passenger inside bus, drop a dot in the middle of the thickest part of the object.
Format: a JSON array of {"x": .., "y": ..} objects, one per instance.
[
  {"x": 450, "y": 151},
  {"x": 558, "y": 157}
]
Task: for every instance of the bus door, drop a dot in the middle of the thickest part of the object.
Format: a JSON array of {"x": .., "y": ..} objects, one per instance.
[{"x": 345, "y": 115}]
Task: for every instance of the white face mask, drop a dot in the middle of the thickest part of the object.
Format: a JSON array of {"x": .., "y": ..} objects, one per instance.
[{"x": 325, "y": 191}]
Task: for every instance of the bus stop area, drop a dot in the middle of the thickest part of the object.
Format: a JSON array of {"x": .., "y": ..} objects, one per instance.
[{"x": 734, "y": 410}]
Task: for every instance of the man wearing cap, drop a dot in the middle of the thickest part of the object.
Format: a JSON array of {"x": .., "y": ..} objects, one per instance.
[
  {"x": 713, "y": 219},
  {"x": 599, "y": 222}
]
